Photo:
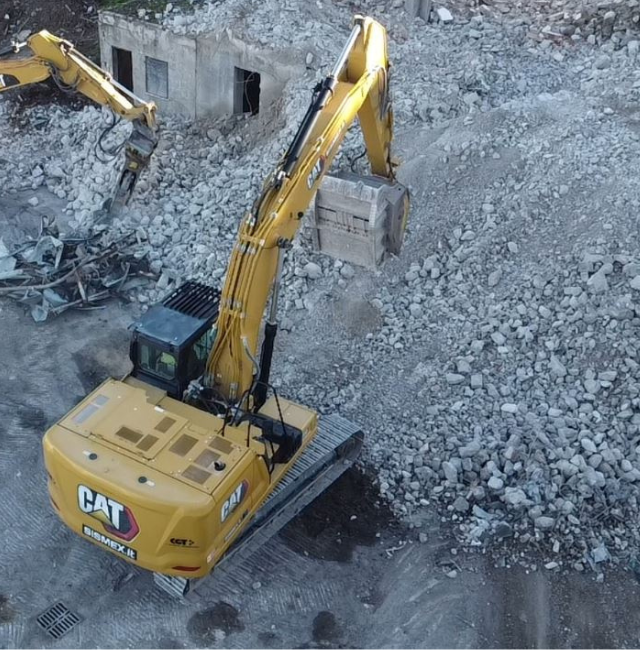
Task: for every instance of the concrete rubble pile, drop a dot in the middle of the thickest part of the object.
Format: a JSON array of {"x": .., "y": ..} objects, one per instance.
[{"x": 494, "y": 365}]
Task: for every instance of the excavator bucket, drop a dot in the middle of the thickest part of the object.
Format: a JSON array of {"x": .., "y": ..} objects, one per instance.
[{"x": 359, "y": 219}]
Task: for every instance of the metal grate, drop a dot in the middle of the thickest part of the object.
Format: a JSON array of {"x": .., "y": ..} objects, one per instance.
[
  {"x": 58, "y": 620},
  {"x": 196, "y": 474},
  {"x": 129, "y": 435},
  {"x": 165, "y": 424},
  {"x": 222, "y": 445},
  {"x": 183, "y": 445},
  {"x": 147, "y": 442},
  {"x": 207, "y": 458},
  {"x": 194, "y": 299}
]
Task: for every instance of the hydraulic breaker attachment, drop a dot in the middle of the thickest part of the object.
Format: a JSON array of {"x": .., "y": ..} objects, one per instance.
[{"x": 138, "y": 151}]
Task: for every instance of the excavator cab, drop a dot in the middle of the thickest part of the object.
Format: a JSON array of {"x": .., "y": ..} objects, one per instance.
[{"x": 171, "y": 342}]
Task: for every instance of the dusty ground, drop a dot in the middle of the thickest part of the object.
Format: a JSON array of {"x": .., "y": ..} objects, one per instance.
[{"x": 328, "y": 580}]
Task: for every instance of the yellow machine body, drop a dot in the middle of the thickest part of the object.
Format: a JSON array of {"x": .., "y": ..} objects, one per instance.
[{"x": 171, "y": 490}]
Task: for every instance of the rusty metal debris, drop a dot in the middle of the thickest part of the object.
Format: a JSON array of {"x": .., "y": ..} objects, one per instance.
[{"x": 52, "y": 273}]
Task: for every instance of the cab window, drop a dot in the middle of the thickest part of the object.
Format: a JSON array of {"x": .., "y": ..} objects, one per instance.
[
  {"x": 157, "y": 362},
  {"x": 199, "y": 353}
]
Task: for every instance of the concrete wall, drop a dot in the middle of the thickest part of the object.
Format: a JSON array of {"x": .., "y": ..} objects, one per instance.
[
  {"x": 201, "y": 69},
  {"x": 217, "y": 57},
  {"x": 146, "y": 39}
]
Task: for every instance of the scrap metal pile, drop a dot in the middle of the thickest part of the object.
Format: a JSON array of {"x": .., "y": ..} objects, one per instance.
[{"x": 51, "y": 273}]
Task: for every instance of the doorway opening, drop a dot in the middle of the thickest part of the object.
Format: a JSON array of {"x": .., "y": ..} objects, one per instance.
[
  {"x": 246, "y": 92},
  {"x": 123, "y": 67}
]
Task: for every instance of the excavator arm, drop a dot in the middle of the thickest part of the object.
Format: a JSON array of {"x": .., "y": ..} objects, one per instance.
[
  {"x": 55, "y": 58},
  {"x": 357, "y": 87}
]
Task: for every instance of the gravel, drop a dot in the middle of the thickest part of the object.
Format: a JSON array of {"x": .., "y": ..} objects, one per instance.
[{"x": 495, "y": 364}]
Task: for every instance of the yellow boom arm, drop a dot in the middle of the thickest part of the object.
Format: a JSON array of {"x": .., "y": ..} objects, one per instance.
[
  {"x": 53, "y": 57},
  {"x": 358, "y": 86}
]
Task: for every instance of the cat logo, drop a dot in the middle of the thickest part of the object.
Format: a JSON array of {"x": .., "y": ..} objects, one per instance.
[
  {"x": 314, "y": 175},
  {"x": 234, "y": 500},
  {"x": 115, "y": 518}
]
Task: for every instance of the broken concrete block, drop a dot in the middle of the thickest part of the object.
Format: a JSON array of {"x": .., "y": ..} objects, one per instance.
[
  {"x": 358, "y": 219},
  {"x": 444, "y": 15}
]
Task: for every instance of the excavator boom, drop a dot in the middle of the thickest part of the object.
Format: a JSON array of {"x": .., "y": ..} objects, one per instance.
[
  {"x": 50, "y": 57},
  {"x": 357, "y": 87}
]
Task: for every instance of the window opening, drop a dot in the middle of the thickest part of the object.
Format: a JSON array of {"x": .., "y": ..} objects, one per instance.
[
  {"x": 246, "y": 92},
  {"x": 157, "y": 362},
  {"x": 123, "y": 67}
]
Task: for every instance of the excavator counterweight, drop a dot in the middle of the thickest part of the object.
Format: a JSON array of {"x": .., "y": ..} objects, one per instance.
[{"x": 194, "y": 457}]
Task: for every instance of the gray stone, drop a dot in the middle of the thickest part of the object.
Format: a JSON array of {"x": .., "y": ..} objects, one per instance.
[
  {"x": 557, "y": 367},
  {"x": 494, "y": 278},
  {"x": 509, "y": 408},
  {"x": 598, "y": 282},
  {"x": 450, "y": 472},
  {"x": 515, "y": 497},
  {"x": 592, "y": 386},
  {"x": 498, "y": 338},
  {"x": 600, "y": 554},
  {"x": 463, "y": 366},
  {"x": 461, "y": 505},
  {"x": 502, "y": 530},
  {"x": 544, "y": 523},
  {"x": 444, "y": 15},
  {"x": 476, "y": 381},
  {"x": 602, "y": 62},
  {"x": 313, "y": 270},
  {"x": 453, "y": 378},
  {"x": 495, "y": 483},
  {"x": 470, "y": 450},
  {"x": 347, "y": 271}
]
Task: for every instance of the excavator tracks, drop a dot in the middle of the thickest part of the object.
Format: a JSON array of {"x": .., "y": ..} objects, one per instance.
[{"x": 333, "y": 451}]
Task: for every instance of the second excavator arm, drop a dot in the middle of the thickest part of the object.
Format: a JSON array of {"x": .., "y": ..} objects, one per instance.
[
  {"x": 357, "y": 87},
  {"x": 55, "y": 58}
]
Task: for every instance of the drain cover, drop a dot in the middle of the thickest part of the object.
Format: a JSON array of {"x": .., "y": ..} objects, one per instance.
[{"x": 58, "y": 620}]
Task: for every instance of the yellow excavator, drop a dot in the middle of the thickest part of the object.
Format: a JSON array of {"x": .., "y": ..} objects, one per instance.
[
  {"x": 193, "y": 457},
  {"x": 45, "y": 56}
]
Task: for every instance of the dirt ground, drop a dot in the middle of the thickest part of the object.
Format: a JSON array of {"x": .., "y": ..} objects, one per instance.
[
  {"x": 75, "y": 20},
  {"x": 344, "y": 574}
]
